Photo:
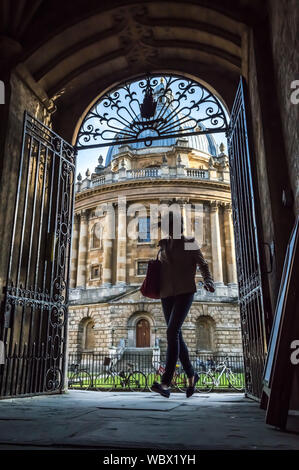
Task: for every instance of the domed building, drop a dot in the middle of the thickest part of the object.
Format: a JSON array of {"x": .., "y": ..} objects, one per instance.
[{"x": 108, "y": 311}]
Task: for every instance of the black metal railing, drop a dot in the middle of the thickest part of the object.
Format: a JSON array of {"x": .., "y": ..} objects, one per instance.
[{"x": 99, "y": 371}]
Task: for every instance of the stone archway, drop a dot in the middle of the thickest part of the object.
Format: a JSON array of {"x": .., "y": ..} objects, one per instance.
[
  {"x": 141, "y": 327},
  {"x": 86, "y": 337},
  {"x": 216, "y": 44}
]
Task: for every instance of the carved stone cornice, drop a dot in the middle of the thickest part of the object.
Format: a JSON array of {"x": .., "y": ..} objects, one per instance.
[{"x": 209, "y": 184}]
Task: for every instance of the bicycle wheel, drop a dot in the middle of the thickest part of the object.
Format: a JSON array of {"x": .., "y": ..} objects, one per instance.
[
  {"x": 181, "y": 382},
  {"x": 137, "y": 381},
  {"x": 80, "y": 380},
  {"x": 233, "y": 381},
  {"x": 150, "y": 377},
  {"x": 71, "y": 381},
  {"x": 205, "y": 383},
  {"x": 104, "y": 382}
]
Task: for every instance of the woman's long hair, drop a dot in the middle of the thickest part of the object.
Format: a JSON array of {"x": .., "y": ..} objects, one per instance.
[{"x": 168, "y": 251}]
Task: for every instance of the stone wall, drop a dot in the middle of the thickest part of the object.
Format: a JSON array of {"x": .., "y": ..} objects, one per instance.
[
  {"x": 263, "y": 197},
  {"x": 284, "y": 20},
  {"x": 102, "y": 328},
  {"x": 123, "y": 317}
]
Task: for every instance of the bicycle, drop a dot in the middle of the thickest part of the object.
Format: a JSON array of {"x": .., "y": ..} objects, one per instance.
[
  {"x": 208, "y": 379},
  {"x": 107, "y": 381},
  {"x": 80, "y": 377},
  {"x": 179, "y": 380}
]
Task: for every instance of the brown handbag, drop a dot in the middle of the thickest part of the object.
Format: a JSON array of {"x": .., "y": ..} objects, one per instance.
[{"x": 151, "y": 284}]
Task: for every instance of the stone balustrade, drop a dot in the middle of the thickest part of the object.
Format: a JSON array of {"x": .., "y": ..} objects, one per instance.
[
  {"x": 156, "y": 173},
  {"x": 81, "y": 296},
  {"x": 196, "y": 173}
]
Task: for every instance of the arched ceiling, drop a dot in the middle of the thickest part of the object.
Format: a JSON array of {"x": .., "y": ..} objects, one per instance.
[{"x": 74, "y": 50}]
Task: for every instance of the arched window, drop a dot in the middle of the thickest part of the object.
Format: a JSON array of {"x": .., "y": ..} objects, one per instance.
[
  {"x": 89, "y": 336},
  {"x": 96, "y": 236},
  {"x": 205, "y": 334},
  {"x": 86, "y": 337},
  {"x": 144, "y": 229}
]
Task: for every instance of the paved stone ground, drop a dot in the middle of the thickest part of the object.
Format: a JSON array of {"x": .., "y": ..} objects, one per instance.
[{"x": 95, "y": 420}]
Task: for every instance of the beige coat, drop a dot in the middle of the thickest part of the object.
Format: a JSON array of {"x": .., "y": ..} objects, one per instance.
[{"x": 179, "y": 258}]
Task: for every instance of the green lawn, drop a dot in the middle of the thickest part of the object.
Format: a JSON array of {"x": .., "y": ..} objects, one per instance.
[
  {"x": 223, "y": 381},
  {"x": 105, "y": 382}
]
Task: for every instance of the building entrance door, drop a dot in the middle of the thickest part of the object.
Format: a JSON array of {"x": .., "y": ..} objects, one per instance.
[{"x": 143, "y": 334}]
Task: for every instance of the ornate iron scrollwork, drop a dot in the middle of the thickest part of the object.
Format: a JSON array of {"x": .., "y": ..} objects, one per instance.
[
  {"x": 150, "y": 108},
  {"x": 36, "y": 294},
  {"x": 247, "y": 252}
]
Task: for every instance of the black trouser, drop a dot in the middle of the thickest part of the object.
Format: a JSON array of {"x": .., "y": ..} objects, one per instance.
[{"x": 175, "y": 309}]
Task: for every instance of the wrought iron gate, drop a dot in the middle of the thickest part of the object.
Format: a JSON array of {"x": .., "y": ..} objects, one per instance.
[
  {"x": 247, "y": 248},
  {"x": 36, "y": 296}
]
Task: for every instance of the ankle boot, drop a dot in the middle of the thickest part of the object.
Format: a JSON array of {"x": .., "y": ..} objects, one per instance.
[{"x": 191, "y": 389}]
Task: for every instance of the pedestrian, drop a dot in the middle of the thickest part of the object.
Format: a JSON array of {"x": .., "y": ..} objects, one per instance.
[{"x": 179, "y": 257}]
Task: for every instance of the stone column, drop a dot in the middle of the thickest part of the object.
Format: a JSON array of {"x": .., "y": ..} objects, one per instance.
[
  {"x": 186, "y": 216},
  {"x": 75, "y": 247},
  {"x": 181, "y": 203},
  {"x": 216, "y": 243},
  {"x": 108, "y": 236},
  {"x": 121, "y": 244},
  {"x": 82, "y": 249},
  {"x": 229, "y": 245}
]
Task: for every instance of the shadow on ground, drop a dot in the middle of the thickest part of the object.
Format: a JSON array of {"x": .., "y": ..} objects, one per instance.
[{"x": 87, "y": 419}]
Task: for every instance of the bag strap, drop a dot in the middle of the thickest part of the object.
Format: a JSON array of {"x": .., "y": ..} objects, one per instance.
[{"x": 158, "y": 254}]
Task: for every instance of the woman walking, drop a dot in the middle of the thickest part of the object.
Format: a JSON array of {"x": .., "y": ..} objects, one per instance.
[{"x": 179, "y": 257}]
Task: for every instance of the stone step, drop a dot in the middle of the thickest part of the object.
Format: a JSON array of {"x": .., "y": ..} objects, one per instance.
[
  {"x": 140, "y": 351},
  {"x": 142, "y": 357}
]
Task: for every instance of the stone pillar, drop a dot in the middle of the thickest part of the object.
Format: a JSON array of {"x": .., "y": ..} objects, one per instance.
[
  {"x": 122, "y": 172},
  {"x": 216, "y": 243},
  {"x": 186, "y": 216},
  {"x": 121, "y": 244},
  {"x": 229, "y": 245},
  {"x": 180, "y": 168},
  {"x": 82, "y": 249},
  {"x": 164, "y": 167},
  {"x": 75, "y": 247},
  {"x": 108, "y": 236}
]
